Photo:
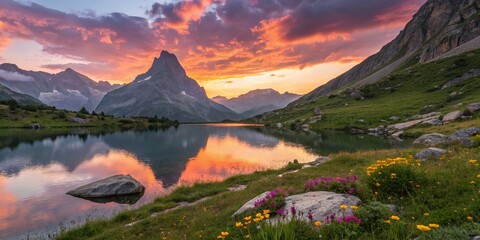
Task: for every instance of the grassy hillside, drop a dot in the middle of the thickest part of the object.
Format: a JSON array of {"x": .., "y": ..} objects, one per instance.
[
  {"x": 447, "y": 196},
  {"x": 18, "y": 116},
  {"x": 403, "y": 93}
]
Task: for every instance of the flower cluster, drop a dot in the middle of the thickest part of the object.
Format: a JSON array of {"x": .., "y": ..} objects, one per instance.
[
  {"x": 379, "y": 164},
  {"x": 274, "y": 201},
  {"x": 425, "y": 228},
  {"x": 333, "y": 184}
]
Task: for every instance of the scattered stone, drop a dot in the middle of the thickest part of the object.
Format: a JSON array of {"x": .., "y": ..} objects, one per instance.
[
  {"x": 346, "y": 105},
  {"x": 251, "y": 204},
  {"x": 317, "y": 111},
  {"x": 476, "y": 238},
  {"x": 79, "y": 120},
  {"x": 305, "y": 127},
  {"x": 357, "y": 94},
  {"x": 430, "y": 153},
  {"x": 452, "y": 116},
  {"x": 473, "y": 107},
  {"x": 279, "y": 125},
  {"x": 429, "y": 108},
  {"x": 464, "y": 142},
  {"x": 36, "y": 126},
  {"x": 117, "y": 185},
  {"x": 466, "y": 133},
  {"x": 394, "y": 118},
  {"x": 434, "y": 121},
  {"x": 426, "y": 116},
  {"x": 397, "y": 135},
  {"x": 361, "y": 121},
  {"x": 289, "y": 172},
  {"x": 237, "y": 188},
  {"x": 432, "y": 139},
  {"x": 318, "y": 161},
  {"x": 468, "y": 75},
  {"x": 320, "y": 204},
  {"x": 393, "y": 208}
]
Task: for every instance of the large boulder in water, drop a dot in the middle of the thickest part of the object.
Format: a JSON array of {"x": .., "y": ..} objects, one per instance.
[{"x": 118, "y": 185}]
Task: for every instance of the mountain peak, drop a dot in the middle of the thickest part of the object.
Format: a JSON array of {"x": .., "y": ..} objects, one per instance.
[
  {"x": 167, "y": 62},
  {"x": 9, "y": 67}
]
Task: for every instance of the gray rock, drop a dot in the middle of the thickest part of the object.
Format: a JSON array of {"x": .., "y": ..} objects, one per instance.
[
  {"x": 361, "y": 121},
  {"x": 279, "y": 125},
  {"x": 393, "y": 208},
  {"x": 319, "y": 160},
  {"x": 357, "y": 94},
  {"x": 397, "y": 134},
  {"x": 464, "y": 142},
  {"x": 476, "y": 238},
  {"x": 473, "y": 107},
  {"x": 452, "y": 116},
  {"x": 251, "y": 204},
  {"x": 432, "y": 139},
  {"x": 430, "y": 153},
  {"x": 317, "y": 111},
  {"x": 117, "y": 185},
  {"x": 394, "y": 118},
  {"x": 468, "y": 75},
  {"x": 435, "y": 122},
  {"x": 321, "y": 204},
  {"x": 466, "y": 133}
]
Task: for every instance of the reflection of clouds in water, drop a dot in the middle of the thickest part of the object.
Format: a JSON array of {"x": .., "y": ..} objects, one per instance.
[
  {"x": 15, "y": 162},
  {"x": 35, "y": 198}
]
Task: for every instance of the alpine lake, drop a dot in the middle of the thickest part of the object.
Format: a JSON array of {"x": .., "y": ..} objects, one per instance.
[{"x": 37, "y": 167}]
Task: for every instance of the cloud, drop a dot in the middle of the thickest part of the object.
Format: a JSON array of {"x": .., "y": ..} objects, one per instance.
[
  {"x": 214, "y": 39},
  {"x": 14, "y": 76}
]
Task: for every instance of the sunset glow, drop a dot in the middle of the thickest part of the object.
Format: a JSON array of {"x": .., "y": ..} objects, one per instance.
[{"x": 229, "y": 46}]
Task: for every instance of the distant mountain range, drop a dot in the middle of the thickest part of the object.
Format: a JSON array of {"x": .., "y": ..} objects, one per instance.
[
  {"x": 441, "y": 28},
  {"x": 165, "y": 90},
  {"x": 65, "y": 90},
  {"x": 257, "y": 101}
]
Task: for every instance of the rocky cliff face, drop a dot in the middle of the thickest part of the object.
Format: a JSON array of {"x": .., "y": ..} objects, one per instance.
[
  {"x": 65, "y": 90},
  {"x": 437, "y": 28},
  {"x": 165, "y": 90},
  {"x": 257, "y": 101}
]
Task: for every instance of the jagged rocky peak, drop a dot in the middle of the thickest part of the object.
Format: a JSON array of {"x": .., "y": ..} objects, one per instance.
[
  {"x": 166, "y": 63},
  {"x": 9, "y": 67}
]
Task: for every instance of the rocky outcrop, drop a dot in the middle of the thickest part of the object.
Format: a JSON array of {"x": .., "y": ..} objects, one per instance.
[
  {"x": 438, "y": 27},
  {"x": 432, "y": 139},
  {"x": 473, "y": 107},
  {"x": 430, "y": 153},
  {"x": 452, "y": 116},
  {"x": 460, "y": 137},
  {"x": 117, "y": 185},
  {"x": 468, "y": 75},
  {"x": 320, "y": 204}
]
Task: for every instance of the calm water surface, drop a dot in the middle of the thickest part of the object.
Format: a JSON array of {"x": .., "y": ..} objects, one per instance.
[{"x": 38, "y": 167}]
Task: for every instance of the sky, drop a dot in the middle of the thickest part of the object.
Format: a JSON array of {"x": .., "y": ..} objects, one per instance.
[{"x": 228, "y": 46}]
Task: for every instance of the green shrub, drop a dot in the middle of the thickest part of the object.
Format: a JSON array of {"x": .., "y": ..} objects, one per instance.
[
  {"x": 394, "y": 178},
  {"x": 373, "y": 216},
  {"x": 342, "y": 231}
]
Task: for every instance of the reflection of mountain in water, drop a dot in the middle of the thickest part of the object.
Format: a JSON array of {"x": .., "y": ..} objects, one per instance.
[
  {"x": 69, "y": 150},
  {"x": 326, "y": 142},
  {"x": 246, "y": 135},
  {"x": 166, "y": 152}
]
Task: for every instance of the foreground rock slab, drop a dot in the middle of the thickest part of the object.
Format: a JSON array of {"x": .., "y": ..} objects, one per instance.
[
  {"x": 320, "y": 204},
  {"x": 432, "y": 139},
  {"x": 118, "y": 185}
]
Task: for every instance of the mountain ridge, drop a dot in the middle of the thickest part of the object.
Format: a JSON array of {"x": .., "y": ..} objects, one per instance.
[
  {"x": 67, "y": 89},
  {"x": 438, "y": 27},
  {"x": 257, "y": 101}
]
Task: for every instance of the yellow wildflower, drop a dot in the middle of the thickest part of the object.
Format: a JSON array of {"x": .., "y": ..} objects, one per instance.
[
  {"x": 423, "y": 228},
  {"x": 343, "y": 207},
  {"x": 478, "y": 176},
  {"x": 377, "y": 184},
  {"x": 426, "y": 214},
  {"x": 396, "y": 218},
  {"x": 266, "y": 211},
  {"x": 472, "y": 182},
  {"x": 224, "y": 234},
  {"x": 258, "y": 215},
  {"x": 247, "y": 236},
  {"x": 239, "y": 224},
  {"x": 472, "y": 161},
  {"x": 248, "y": 218},
  {"x": 433, "y": 225},
  {"x": 469, "y": 218},
  {"x": 393, "y": 175},
  {"x": 318, "y": 223},
  {"x": 267, "y": 215},
  {"x": 387, "y": 221},
  {"x": 353, "y": 207}
]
